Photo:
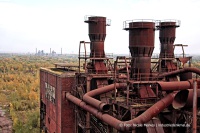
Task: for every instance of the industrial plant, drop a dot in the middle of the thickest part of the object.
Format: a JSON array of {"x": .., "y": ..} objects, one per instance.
[{"x": 140, "y": 93}]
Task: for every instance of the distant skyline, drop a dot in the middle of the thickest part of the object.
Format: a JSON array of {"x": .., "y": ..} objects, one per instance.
[{"x": 43, "y": 24}]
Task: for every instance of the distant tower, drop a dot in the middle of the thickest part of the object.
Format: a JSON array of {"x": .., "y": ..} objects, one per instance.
[
  {"x": 61, "y": 51},
  {"x": 36, "y": 50},
  {"x": 50, "y": 50}
]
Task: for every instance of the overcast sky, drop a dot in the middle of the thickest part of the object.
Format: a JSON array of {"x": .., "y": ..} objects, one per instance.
[{"x": 43, "y": 24}]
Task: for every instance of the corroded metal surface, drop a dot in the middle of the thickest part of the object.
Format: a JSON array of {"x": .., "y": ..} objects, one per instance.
[
  {"x": 88, "y": 97},
  {"x": 176, "y": 72},
  {"x": 184, "y": 99},
  {"x": 130, "y": 94},
  {"x": 97, "y": 35},
  {"x": 125, "y": 125},
  {"x": 141, "y": 45},
  {"x": 176, "y": 85},
  {"x": 167, "y": 37}
]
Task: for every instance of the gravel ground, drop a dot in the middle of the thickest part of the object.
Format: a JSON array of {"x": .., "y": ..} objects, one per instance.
[{"x": 5, "y": 123}]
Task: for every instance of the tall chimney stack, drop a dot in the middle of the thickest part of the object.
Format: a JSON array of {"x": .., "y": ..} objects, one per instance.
[
  {"x": 141, "y": 45},
  {"x": 97, "y": 34}
]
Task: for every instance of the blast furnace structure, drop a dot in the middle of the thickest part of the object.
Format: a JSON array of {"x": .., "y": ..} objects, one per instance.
[{"x": 143, "y": 93}]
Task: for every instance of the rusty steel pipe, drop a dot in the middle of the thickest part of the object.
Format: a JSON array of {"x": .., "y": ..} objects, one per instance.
[
  {"x": 184, "y": 70},
  {"x": 104, "y": 117},
  {"x": 125, "y": 125},
  {"x": 184, "y": 99},
  {"x": 148, "y": 114},
  {"x": 102, "y": 106},
  {"x": 176, "y": 85},
  {"x": 194, "y": 123},
  {"x": 180, "y": 99}
]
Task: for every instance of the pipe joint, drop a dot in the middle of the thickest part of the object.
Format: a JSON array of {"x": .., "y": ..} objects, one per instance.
[{"x": 104, "y": 107}]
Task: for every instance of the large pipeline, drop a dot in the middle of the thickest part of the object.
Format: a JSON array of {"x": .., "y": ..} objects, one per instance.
[
  {"x": 175, "y": 86},
  {"x": 184, "y": 70},
  {"x": 194, "y": 110},
  {"x": 125, "y": 125},
  {"x": 102, "y": 106},
  {"x": 184, "y": 98}
]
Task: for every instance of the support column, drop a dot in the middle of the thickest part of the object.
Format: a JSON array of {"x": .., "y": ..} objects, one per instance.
[
  {"x": 174, "y": 119},
  {"x": 88, "y": 114},
  {"x": 194, "y": 124}
]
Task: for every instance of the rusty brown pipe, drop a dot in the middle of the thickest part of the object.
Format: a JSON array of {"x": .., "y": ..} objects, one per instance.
[
  {"x": 102, "y": 106},
  {"x": 194, "y": 110},
  {"x": 184, "y": 98},
  {"x": 104, "y": 117},
  {"x": 125, "y": 125},
  {"x": 184, "y": 70},
  {"x": 149, "y": 113},
  {"x": 176, "y": 85}
]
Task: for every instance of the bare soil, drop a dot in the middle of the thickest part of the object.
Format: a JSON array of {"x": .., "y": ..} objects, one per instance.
[{"x": 5, "y": 122}]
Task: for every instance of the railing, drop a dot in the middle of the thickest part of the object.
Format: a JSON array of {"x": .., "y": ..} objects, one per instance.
[
  {"x": 122, "y": 61},
  {"x": 126, "y": 23},
  {"x": 81, "y": 118},
  {"x": 83, "y": 55},
  {"x": 86, "y": 18},
  {"x": 138, "y": 102},
  {"x": 98, "y": 54},
  {"x": 142, "y": 77},
  {"x": 157, "y": 56},
  {"x": 181, "y": 55},
  {"x": 99, "y": 127},
  {"x": 157, "y": 22},
  {"x": 167, "y": 55},
  {"x": 177, "y": 22}
]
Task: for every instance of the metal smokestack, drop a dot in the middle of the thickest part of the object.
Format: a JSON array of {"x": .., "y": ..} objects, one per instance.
[
  {"x": 141, "y": 45},
  {"x": 167, "y": 37},
  {"x": 97, "y": 34}
]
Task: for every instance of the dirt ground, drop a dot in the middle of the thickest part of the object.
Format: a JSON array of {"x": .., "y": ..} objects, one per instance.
[{"x": 5, "y": 122}]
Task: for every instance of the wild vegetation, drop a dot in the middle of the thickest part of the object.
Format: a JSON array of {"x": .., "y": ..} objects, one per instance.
[{"x": 19, "y": 88}]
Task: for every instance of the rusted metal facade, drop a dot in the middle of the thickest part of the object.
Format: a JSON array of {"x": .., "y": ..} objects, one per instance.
[{"x": 140, "y": 93}]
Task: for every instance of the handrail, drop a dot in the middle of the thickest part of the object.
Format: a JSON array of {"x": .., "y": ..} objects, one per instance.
[
  {"x": 156, "y": 55},
  {"x": 87, "y": 55},
  {"x": 177, "y": 22},
  {"x": 126, "y": 23},
  {"x": 86, "y": 18}
]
